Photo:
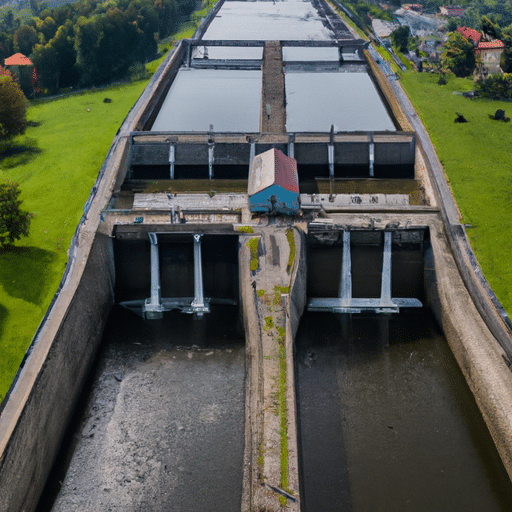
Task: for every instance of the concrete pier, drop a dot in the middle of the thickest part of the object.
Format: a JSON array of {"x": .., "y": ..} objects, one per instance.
[
  {"x": 273, "y": 288},
  {"x": 273, "y": 104}
]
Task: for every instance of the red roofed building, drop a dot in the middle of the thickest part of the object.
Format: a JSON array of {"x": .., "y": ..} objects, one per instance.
[
  {"x": 488, "y": 55},
  {"x": 470, "y": 34},
  {"x": 18, "y": 59},
  {"x": 22, "y": 69}
]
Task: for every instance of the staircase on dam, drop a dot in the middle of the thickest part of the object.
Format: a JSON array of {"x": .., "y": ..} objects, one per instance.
[{"x": 170, "y": 227}]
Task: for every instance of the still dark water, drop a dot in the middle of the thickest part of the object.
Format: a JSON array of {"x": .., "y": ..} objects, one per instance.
[{"x": 388, "y": 422}]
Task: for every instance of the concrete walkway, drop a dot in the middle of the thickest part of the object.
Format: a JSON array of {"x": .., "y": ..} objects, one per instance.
[{"x": 271, "y": 475}]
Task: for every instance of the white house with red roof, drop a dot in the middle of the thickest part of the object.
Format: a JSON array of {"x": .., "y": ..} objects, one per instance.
[{"x": 488, "y": 55}]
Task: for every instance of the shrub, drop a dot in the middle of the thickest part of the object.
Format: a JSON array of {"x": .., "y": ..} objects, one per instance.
[{"x": 13, "y": 108}]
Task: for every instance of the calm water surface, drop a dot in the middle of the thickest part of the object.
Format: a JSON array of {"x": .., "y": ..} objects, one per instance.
[
  {"x": 349, "y": 101},
  {"x": 227, "y": 99},
  {"x": 390, "y": 427}
]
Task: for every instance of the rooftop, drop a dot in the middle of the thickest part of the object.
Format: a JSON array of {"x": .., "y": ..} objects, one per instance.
[
  {"x": 18, "y": 59},
  {"x": 470, "y": 34},
  {"x": 495, "y": 44}
]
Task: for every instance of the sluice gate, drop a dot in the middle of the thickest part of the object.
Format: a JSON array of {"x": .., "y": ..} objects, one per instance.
[
  {"x": 209, "y": 155},
  {"x": 346, "y": 303}
]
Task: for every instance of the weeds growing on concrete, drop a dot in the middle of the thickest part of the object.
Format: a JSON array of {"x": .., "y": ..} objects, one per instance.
[
  {"x": 245, "y": 229},
  {"x": 252, "y": 244},
  {"x": 291, "y": 243}
]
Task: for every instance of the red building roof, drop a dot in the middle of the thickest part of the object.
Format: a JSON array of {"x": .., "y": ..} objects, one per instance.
[
  {"x": 470, "y": 34},
  {"x": 495, "y": 44},
  {"x": 18, "y": 59}
]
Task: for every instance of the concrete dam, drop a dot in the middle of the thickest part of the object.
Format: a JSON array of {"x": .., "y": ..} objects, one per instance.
[{"x": 214, "y": 347}]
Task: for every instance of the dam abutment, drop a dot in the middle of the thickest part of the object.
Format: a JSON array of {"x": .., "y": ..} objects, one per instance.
[
  {"x": 47, "y": 391},
  {"x": 480, "y": 357}
]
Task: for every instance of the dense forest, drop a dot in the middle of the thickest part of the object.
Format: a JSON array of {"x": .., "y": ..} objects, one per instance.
[{"x": 91, "y": 42}]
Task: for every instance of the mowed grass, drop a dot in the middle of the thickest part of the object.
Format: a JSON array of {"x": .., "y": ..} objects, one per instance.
[
  {"x": 477, "y": 157},
  {"x": 55, "y": 164}
]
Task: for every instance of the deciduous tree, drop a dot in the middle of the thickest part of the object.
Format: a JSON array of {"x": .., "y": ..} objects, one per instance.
[
  {"x": 14, "y": 222},
  {"x": 458, "y": 55},
  {"x": 400, "y": 37},
  {"x": 25, "y": 38},
  {"x": 13, "y": 108}
]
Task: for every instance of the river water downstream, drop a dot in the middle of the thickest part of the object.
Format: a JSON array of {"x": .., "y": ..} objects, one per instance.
[{"x": 390, "y": 427}]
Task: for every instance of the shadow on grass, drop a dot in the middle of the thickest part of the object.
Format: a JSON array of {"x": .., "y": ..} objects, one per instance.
[
  {"x": 27, "y": 272},
  {"x": 3, "y": 317},
  {"x": 14, "y": 153}
]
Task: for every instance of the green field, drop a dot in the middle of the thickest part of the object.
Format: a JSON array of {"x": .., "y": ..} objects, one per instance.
[
  {"x": 477, "y": 157},
  {"x": 55, "y": 165}
]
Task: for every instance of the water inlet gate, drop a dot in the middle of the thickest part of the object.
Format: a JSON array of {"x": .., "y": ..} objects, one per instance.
[
  {"x": 345, "y": 303},
  {"x": 154, "y": 307}
]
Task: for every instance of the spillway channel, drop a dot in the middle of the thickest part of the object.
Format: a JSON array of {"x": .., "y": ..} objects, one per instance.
[
  {"x": 387, "y": 421},
  {"x": 161, "y": 423}
]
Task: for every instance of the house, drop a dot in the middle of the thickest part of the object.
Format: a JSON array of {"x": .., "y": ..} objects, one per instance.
[
  {"x": 23, "y": 71},
  {"x": 488, "y": 55},
  {"x": 273, "y": 185},
  {"x": 470, "y": 34},
  {"x": 452, "y": 11}
]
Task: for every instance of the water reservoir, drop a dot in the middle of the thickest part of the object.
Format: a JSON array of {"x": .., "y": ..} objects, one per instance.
[
  {"x": 349, "y": 101},
  {"x": 227, "y": 99}
]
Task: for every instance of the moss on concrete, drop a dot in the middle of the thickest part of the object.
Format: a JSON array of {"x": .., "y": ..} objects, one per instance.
[
  {"x": 291, "y": 243},
  {"x": 252, "y": 244}
]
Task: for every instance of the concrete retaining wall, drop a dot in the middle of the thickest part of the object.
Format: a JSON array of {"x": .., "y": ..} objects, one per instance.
[
  {"x": 53, "y": 378},
  {"x": 479, "y": 355}
]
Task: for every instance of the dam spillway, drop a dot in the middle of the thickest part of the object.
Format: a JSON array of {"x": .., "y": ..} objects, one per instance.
[{"x": 172, "y": 194}]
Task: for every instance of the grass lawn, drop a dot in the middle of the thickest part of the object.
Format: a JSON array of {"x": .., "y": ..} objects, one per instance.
[
  {"x": 477, "y": 157},
  {"x": 56, "y": 164},
  {"x": 55, "y": 176}
]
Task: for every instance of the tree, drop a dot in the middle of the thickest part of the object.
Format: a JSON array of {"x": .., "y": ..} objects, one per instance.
[
  {"x": 13, "y": 108},
  {"x": 400, "y": 37},
  {"x": 458, "y": 55},
  {"x": 47, "y": 27},
  {"x": 9, "y": 20},
  {"x": 25, "y": 38},
  {"x": 55, "y": 61},
  {"x": 14, "y": 222},
  {"x": 491, "y": 30}
]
